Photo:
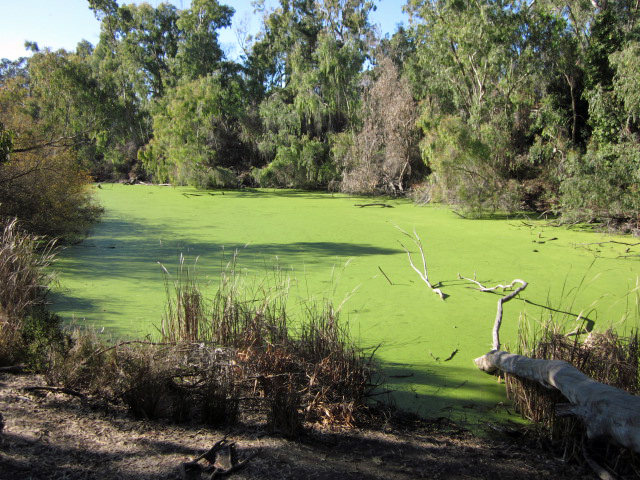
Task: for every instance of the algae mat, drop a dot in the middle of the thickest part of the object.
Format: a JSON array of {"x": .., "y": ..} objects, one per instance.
[{"x": 332, "y": 248}]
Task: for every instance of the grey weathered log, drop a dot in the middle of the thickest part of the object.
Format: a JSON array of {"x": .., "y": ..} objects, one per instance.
[{"x": 605, "y": 410}]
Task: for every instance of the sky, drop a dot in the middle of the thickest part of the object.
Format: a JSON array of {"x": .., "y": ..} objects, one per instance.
[{"x": 63, "y": 23}]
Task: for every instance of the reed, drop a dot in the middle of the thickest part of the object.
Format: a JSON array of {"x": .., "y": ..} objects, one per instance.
[
  {"x": 24, "y": 283},
  {"x": 234, "y": 356}
]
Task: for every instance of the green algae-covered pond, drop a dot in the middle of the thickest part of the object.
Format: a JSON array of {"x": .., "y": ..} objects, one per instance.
[{"x": 333, "y": 249}]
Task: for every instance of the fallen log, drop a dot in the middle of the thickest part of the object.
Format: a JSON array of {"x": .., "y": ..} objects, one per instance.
[{"x": 605, "y": 410}]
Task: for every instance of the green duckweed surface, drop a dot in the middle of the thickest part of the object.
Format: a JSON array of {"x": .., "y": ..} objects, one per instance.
[{"x": 331, "y": 249}]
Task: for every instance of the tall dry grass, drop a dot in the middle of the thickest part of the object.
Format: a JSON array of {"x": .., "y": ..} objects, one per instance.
[
  {"x": 24, "y": 283},
  {"x": 232, "y": 356},
  {"x": 310, "y": 370}
]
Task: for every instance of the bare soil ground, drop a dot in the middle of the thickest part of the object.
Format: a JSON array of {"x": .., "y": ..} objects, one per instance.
[{"x": 58, "y": 436}]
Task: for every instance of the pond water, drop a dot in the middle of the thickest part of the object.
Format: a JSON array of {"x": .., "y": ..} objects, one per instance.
[{"x": 332, "y": 248}]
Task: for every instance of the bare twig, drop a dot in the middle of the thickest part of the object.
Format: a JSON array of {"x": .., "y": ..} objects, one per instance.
[
  {"x": 424, "y": 274},
  {"x": 385, "y": 276},
  {"x": 67, "y": 391},
  {"x": 608, "y": 241},
  {"x": 498, "y": 322}
]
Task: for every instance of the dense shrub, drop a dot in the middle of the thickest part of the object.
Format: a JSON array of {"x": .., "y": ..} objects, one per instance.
[
  {"x": 604, "y": 186},
  {"x": 302, "y": 164},
  {"x": 467, "y": 169},
  {"x": 49, "y": 193}
]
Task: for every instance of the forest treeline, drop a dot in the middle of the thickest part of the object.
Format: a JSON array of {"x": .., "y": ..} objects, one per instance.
[{"x": 489, "y": 105}]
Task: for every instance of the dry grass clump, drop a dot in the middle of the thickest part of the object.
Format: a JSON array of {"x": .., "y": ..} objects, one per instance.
[
  {"x": 607, "y": 357},
  {"x": 232, "y": 358},
  {"x": 24, "y": 283}
]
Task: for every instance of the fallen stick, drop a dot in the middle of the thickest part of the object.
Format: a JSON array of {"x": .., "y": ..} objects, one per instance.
[{"x": 385, "y": 276}]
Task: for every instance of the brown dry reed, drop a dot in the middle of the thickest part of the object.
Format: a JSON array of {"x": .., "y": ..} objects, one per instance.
[
  {"x": 24, "y": 283},
  {"x": 233, "y": 357},
  {"x": 606, "y": 356}
]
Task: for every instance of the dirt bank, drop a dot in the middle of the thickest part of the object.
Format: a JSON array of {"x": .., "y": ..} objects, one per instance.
[{"x": 58, "y": 436}]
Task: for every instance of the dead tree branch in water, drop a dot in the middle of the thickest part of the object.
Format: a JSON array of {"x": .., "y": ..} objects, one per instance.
[{"x": 424, "y": 275}]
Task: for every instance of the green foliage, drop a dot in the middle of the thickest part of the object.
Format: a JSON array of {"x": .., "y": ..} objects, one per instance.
[
  {"x": 463, "y": 171},
  {"x": 308, "y": 60},
  {"x": 627, "y": 78},
  {"x": 199, "y": 53},
  {"x": 6, "y": 143},
  {"x": 42, "y": 335},
  {"x": 49, "y": 113},
  {"x": 302, "y": 164},
  {"x": 604, "y": 185},
  {"x": 196, "y": 128},
  {"x": 486, "y": 65}
]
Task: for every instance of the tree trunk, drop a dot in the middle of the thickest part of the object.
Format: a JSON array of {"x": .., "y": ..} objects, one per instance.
[{"x": 606, "y": 411}]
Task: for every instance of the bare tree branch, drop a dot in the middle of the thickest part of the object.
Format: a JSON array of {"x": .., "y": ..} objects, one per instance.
[
  {"x": 498, "y": 322},
  {"x": 424, "y": 275}
]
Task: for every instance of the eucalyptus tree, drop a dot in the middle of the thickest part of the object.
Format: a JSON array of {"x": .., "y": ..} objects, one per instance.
[
  {"x": 47, "y": 113},
  {"x": 485, "y": 68},
  {"x": 198, "y": 133},
  {"x": 306, "y": 64},
  {"x": 199, "y": 52},
  {"x": 145, "y": 54},
  {"x": 603, "y": 184}
]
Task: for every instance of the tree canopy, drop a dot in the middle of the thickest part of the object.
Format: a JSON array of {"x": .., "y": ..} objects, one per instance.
[{"x": 490, "y": 105}]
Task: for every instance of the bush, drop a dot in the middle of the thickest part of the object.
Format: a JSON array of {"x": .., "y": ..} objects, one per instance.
[
  {"x": 49, "y": 194},
  {"x": 464, "y": 170},
  {"x": 302, "y": 164},
  {"x": 604, "y": 186},
  {"x": 232, "y": 356}
]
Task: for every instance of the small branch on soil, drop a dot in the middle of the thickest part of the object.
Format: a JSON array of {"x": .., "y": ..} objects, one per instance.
[
  {"x": 12, "y": 369},
  {"x": 67, "y": 391},
  {"x": 424, "y": 275}
]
